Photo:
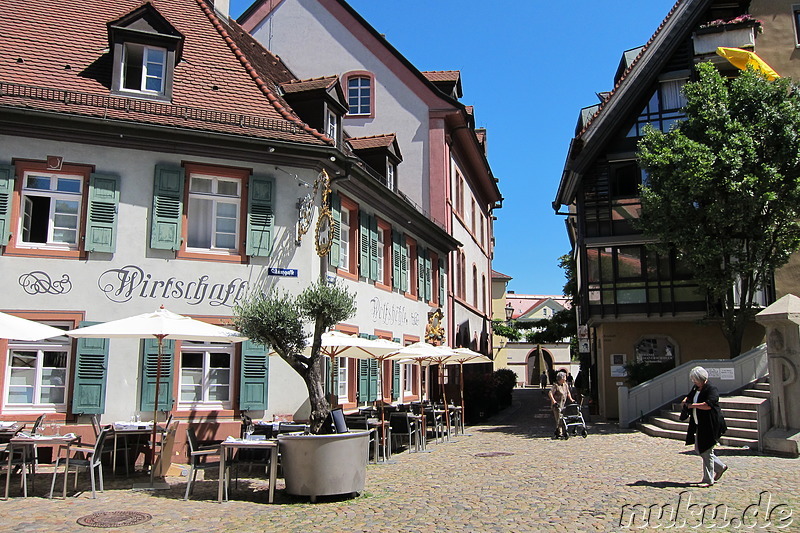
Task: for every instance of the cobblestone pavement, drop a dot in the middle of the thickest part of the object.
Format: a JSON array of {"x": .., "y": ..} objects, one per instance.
[{"x": 546, "y": 485}]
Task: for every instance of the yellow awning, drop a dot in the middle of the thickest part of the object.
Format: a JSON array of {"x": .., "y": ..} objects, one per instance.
[{"x": 741, "y": 59}]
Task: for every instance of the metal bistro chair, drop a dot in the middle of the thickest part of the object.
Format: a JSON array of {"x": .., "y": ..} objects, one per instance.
[
  {"x": 197, "y": 456},
  {"x": 403, "y": 426},
  {"x": 92, "y": 462}
]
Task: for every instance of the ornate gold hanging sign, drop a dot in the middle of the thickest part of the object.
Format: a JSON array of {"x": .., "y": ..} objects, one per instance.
[{"x": 324, "y": 231}]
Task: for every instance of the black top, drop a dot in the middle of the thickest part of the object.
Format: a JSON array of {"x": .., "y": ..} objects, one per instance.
[{"x": 711, "y": 424}]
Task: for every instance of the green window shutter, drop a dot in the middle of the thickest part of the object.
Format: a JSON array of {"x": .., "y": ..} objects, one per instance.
[
  {"x": 149, "y": 373},
  {"x": 6, "y": 194},
  {"x": 91, "y": 374},
  {"x": 364, "y": 257},
  {"x": 336, "y": 230},
  {"x": 373, "y": 248},
  {"x": 442, "y": 280},
  {"x": 397, "y": 254},
  {"x": 260, "y": 216},
  {"x": 428, "y": 281},
  {"x": 373, "y": 380},
  {"x": 395, "y": 380},
  {"x": 101, "y": 227},
  {"x": 421, "y": 274},
  {"x": 254, "y": 377},
  {"x": 363, "y": 380},
  {"x": 167, "y": 214}
]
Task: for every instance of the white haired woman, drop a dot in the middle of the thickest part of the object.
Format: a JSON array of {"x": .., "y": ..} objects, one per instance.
[
  {"x": 559, "y": 393},
  {"x": 706, "y": 424}
]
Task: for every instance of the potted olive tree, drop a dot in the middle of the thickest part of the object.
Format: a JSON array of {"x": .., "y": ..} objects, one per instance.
[{"x": 316, "y": 464}]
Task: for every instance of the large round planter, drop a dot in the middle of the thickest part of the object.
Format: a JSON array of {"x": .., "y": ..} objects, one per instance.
[{"x": 323, "y": 465}]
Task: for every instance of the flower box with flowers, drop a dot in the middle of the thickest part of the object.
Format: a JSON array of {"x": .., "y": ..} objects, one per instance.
[{"x": 739, "y": 32}]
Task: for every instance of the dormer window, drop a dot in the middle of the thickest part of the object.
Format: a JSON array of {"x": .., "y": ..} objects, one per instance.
[
  {"x": 144, "y": 68},
  {"x": 332, "y": 125},
  {"x": 145, "y": 49},
  {"x": 391, "y": 168}
]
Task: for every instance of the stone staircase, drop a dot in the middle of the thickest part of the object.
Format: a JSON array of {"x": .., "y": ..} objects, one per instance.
[{"x": 741, "y": 414}]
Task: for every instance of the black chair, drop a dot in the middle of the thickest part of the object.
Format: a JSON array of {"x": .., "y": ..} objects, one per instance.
[
  {"x": 291, "y": 427},
  {"x": 197, "y": 460},
  {"x": 339, "y": 422},
  {"x": 402, "y": 426}
]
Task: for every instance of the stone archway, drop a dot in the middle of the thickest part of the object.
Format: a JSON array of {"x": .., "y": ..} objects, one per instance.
[{"x": 536, "y": 363}]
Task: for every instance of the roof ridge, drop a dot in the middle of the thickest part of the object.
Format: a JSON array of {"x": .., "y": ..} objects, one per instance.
[
  {"x": 376, "y": 135},
  {"x": 330, "y": 76},
  {"x": 260, "y": 83},
  {"x": 630, "y": 68}
]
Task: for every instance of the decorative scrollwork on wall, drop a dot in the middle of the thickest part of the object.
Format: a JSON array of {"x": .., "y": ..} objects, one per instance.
[{"x": 38, "y": 282}]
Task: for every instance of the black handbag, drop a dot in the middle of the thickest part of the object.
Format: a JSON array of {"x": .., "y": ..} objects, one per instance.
[{"x": 684, "y": 412}]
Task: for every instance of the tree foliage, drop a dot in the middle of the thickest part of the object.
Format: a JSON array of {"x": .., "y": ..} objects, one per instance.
[
  {"x": 277, "y": 319},
  {"x": 723, "y": 189}
]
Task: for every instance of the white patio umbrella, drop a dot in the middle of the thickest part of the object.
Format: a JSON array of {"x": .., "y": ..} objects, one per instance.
[
  {"x": 21, "y": 329},
  {"x": 426, "y": 354},
  {"x": 338, "y": 344},
  {"x": 462, "y": 356},
  {"x": 160, "y": 325}
]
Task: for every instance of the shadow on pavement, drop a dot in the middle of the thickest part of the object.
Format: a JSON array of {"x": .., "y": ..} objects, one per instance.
[{"x": 661, "y": 484}]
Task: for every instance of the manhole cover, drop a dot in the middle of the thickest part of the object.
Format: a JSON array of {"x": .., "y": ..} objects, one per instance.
[
  {"x": 493, "y": 454},
  {"x": 114, "y": 519}
]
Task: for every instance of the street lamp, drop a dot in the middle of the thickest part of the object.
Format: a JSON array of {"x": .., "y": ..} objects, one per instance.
[{"x": 509, "y": 312}]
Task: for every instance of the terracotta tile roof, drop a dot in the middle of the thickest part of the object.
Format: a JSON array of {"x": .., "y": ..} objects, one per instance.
[
  {"x": 298, "y": 86},
  {"x": 442, "y": 75},
  {"x": 56, "y": 58},
  {"x": 525, "y": 303},
  {"x": 632, "y": 66},
  {"x": 373, "y": 141},
  {"x": 500, "y": 275}
]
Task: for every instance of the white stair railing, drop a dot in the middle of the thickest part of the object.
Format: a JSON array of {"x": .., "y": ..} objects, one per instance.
[{"x": 641, "y": 400}]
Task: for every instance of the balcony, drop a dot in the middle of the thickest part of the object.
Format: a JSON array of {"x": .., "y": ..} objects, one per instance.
[{"x": 742, "y": 35}]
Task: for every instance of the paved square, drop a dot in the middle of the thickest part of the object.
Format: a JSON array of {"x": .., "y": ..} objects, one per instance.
[{"x": 546, "y": 485}]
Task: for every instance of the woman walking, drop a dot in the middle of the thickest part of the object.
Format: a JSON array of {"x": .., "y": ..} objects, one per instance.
[
  {"x": 706, "y": 424},
  {"x": 559, "y": 393}
]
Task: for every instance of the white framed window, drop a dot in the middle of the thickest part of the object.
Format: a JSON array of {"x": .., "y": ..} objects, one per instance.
[
  {"x": 343, "y": 385},
  {"x": 206, "y": 375},
  {"x": 144, "y": 68},
  {"x": 51, "y": 210},
  {"x": 213, "y": 213},
  {"x": 408, "y": 379},
  {"x": 359, "y": 95},
  {"x": 332, "y": 125},
  {"x": 344, "y": 239},
  {"x": 37, "y": 376},
  {"x": 390, "y": 179}
]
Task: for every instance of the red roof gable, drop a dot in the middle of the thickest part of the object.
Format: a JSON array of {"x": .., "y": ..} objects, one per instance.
[
  {"x": 298, "y": 86},
  {"x": 442, "y": 75},
  {"x": 373, "y": 141},
  {"x": 60, "y": 61}
]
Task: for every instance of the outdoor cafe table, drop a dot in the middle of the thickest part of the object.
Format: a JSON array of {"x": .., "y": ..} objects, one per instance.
[
  {"x": 230, "y": 444},
  {"x": 131, "y": 429},
  {"x": 9, "y": 429},
  {"x": 28, "y": 444}
]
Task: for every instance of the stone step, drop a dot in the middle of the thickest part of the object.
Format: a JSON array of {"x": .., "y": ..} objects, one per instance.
[
  {"x": 739, "y": 442},
  {"x": 668, "y": 423},
  {"x": 743, "y": 403},
  {"x": 746, "y": 414},
  {"x": 655, "y": 431},
  {"x": 756, "y": 393},
  {"x": 760, "y": 386},
  {"x": 732, "y": 421}
]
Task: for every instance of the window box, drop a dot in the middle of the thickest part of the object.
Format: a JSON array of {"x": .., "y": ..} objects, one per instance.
[{"x": 707, "y": 40}]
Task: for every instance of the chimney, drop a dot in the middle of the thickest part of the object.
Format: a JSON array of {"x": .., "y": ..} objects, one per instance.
[{"x": 223, "y": 9}]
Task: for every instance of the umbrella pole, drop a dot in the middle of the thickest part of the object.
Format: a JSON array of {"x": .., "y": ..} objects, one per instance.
[
  {"x": 444, "y": 398},
  {"x": 461, "y": 383},
  {"x": 422, "y": 408},
  {"x": 155, "y": 409}
]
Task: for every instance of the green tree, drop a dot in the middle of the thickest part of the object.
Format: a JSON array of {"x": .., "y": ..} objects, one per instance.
[
  {"x": 276, "y": 320},
  {"x": 723, "y": 190}
]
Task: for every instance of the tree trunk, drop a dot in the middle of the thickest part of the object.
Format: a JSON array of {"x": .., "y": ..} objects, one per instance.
[{"x": 315, "y": 383}]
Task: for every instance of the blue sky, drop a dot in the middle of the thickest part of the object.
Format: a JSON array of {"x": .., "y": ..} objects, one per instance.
[{"x": 528, "y": 67}]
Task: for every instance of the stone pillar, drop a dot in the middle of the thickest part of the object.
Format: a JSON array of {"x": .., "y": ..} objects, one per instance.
[{"x": 782, "y": 323}]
